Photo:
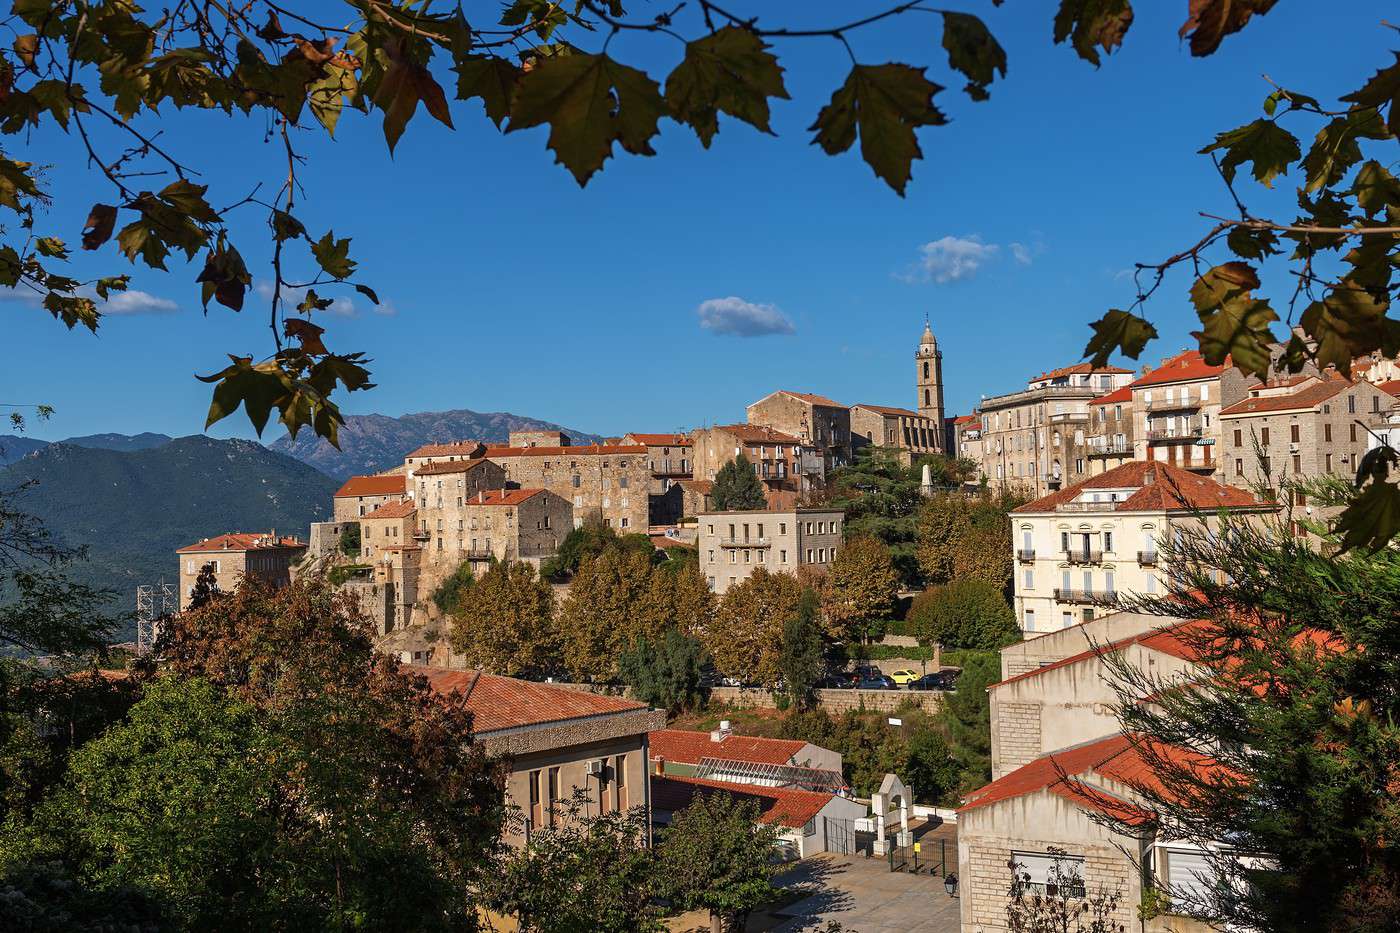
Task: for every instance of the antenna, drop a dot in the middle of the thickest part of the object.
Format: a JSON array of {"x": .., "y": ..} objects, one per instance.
[{"x": 148, "y": 618}]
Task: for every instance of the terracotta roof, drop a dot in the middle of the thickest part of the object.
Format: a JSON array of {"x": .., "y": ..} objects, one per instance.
[
  {"x": 1307, "y": 397},
  {"x": 451, "y": 448},
  {"x": 400, "y": 509},
  {"x": 507, "y": 703},
  {"x": 887, "y": 410},
  {"x": 688, "y": 747},
  {"x": 1117, "y": 396},
  {"x": 702, "y": 486},
  {"x": 591, "y": 450},
  {"x": 1078, "y": 369},
  {"x": 1184, "y": 367},
  {"x": 239, "y": 541},
  {"x": 1117, "y": 758},
  {"x": 757, "y": 434},
  {"x": 659, "y": 440},
  {"x": 392, "y": 485},
  {"x": 441, "y": 467},
  {"x": 811, "y": 398},
  {"x": 1392, "y": 387},
  {"x": 967, "y": 419},
  {"x": 1159, "y": 487},
  {"x": 502, "y": 496},
  {"x": 785, "y": 806},
  {"x": 1168, "y": 640},
  {"x": 664, "y": 542}
]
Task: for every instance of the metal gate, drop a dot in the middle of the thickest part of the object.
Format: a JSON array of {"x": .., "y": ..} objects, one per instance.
[
  {"x": 930, "y": 857},
  {"x": 839, "y": 835}
]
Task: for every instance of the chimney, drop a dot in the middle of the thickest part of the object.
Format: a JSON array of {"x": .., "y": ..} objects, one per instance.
[
  {"x": 722, "y": 733},
  {"x": 660, "y": 764}
]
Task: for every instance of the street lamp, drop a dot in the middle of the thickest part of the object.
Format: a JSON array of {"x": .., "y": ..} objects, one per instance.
[{"x": 950, "y": 884}]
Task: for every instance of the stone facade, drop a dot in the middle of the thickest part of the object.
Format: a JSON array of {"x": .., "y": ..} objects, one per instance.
[
  {"x": 1028, "y": 437},
  {"x": 514, "y": 524},
  {"x": 360, "y": 495},
  {"x": 966, "y": 441},
  {"x": 928, "y": 381},
  {"x": 732, "y": 544},
  {"x": 912, "y": 434},
  {"x": 443, "y": 453},
  {"x": 782, "y": 461},
  {"x": 388, "y": 526},
  {"x": 1176, "y": 411},
  {"x": 1033, "y": 653},
  {"x": 265, "y": 557},
  {"x": 1106, "y": 441},
  {"x": 607, "y": 482},
  {"x": 814, "y": 419},
  {"x": 670, "y": 460},
  {"x": 539, "y": 439}
]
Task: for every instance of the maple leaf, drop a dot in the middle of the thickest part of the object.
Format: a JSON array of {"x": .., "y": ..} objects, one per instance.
[
  {"x": 885, "y": 104},
  {"x": 1090, "y": 23},
  {"x": 334, "y": 256},
  {"x": 731, "y": 71},
  {"x": 492, "y": 79},
  {"x": 1210, "y": 21},
  {"x": 1382, "y": 89},
  {"x": 974, "y": 51},
  {"x": 1118, "y": 330},
  {"x": 398, "y": 93},
  {"x": 1266, "y": 145}
]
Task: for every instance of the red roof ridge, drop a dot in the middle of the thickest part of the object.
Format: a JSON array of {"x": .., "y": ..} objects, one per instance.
[
  {"x": 499, "y": 703},
  {"x": 400, "y": 509},
  {"x": 243, "y": 541},
  {"x": 1174, "y": 648},
  {"x": 1186, "y": 366},
  {"x": 1169, "y": 489},
  {"x": 1121, "y": 394},
  {"x": 689, "y": 746},
  {"x": 379, "y": 484}
]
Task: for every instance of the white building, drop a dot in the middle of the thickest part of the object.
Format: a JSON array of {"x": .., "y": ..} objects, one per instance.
[{"x": 733, "y": 544}]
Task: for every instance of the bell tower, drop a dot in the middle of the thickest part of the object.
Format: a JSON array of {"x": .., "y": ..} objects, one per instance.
[{"x": 928, "y": 381}]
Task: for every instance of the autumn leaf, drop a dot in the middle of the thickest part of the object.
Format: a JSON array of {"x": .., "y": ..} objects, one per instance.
[
  {"x": 490, "y": 78},
  {"x": 307, "y": 333},
  {"x": 1336, "y": 148},
  {"x": 1344, "y": 325},
  {"x": 589, "y": 102},
  {"x": 100, "y": 223},
  {"x": 1093, "y": 23},
  {"x": 225, "y": 278},
  {"x": 1266, "y": 145},
  {"x": 1375, "y": 188},
  {"x": 728, "y": 71},
  {"x": 885, "y": 104},
  {"x": 1210, "y": 21},
  {"x": 255, "y": 388},
  {"x": 1249, "y": 243},
  {"x": 1118, "y": 331},
  {"x": 1383, "y": 89},
  {"x": 974, "y": 51},
  {"x": 26, "y": 48},
  {"x": 334, "y": 256},
  {"x": 1235, "y": 325},
  {"x": 404, "y": 84},
  {"x": 1371, "y": 519}
]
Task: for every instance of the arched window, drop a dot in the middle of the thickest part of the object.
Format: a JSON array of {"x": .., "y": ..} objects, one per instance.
[{"x": 925, "y": 370}]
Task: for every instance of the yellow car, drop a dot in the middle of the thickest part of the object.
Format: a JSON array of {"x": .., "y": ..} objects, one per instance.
[{"x": 904, "y": 678}]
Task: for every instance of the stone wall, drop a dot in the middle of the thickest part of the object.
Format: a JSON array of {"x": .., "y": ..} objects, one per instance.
[
  {"x": 833, "y": 701},
  {"x": 612, "y": 485},
  {"x": 986, "y": 876},
  {"x": 1018, "y": 735}
]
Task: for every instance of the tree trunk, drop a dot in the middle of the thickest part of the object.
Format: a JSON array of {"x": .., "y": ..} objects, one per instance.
[{"x": 716, "y": 922}]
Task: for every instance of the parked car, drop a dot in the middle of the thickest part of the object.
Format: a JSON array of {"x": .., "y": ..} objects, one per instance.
[
  {"x": 904, "y": 677},
  {"x": 938, "y": 680},
  {"x": 839, "y": 681},
  {"x": 876, "y": 682}
]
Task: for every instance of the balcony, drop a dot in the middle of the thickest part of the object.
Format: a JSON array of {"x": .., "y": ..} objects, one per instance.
[
  {"x": 1025, "y": 556},
  {"x": 1181, "y": 436},
  {"x": 1060, "y": 416},
  {"x": 1086, "y": 506},
  {"x": 479, "y": 553},
  {"x": 745, "y": 542},
  {"x": 1111, "y": 450},
  {"x": 1082, "y": 556},
  {"x": 422, "y": 534},
  {"x": 1085, "y": 597},
  {"x": 1173, "y": 404},
  {"x": 1147, "y": 558}
]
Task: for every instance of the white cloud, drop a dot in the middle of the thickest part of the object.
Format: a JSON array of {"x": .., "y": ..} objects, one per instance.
[
  {"x": 1021, "y": 253},
  {"x": 740, "y": 318},
  {"x": 951, "y": 259},
  {"x": 134, "y": 301},
  {"x": 341, "y": 306}
]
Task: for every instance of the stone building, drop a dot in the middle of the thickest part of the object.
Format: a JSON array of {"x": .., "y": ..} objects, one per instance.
[
  {"x": 389, "y": 592},
  {"x": 928, "y": 382},
  {"x": 514, "y": 524},
  {"x": 447, "y": 484},
  {"x": 668, "y": 458},
  {"x": 391, "y": 525},
  {"x": 732, "y": 544},
  {"x": 911, "y": 433},
  {"x": 443, "y": 453},
  {"x": 1027, "y": 437},
  {"x": 782, "y": 461},
  {"x": 1300, "y": 428},
  {"x": 966, "y": 440},
  {"x": 265, "y": 557},
  {"x": 539, "y": 438},
  {"x": 360, "y": 495},
  {"x": 1106, "y": 441},
  {"x": 556, "y": 741},
  {"x": 1079, "y": 548},
  {"x": 1176, "y": 411},
  {"x": 607, "y": 482},
  {"x": 815, "y": 420}
]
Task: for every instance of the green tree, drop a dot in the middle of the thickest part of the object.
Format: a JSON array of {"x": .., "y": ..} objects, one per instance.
[
  {"x": 350, "y": 539},
  {"x": 590, "y": 871},
  {"x": 717, "y": 856},
  {"x": 206, "y": 587},
  {"x": 745, "y": 638},
  {"x": 961, "y": 537},
  {"x": 966, "y": 613},
  {"x": 604, "y": 613},
  {"x": 929, "y": 765},
  {"x": 508, "y": 628},
  {"x": 667, "y": 673},
  {"x": 49, "y": 899},
  {"x": 451, "y": 594},
  {"x": 680, "y": 597},
  {"x": 802, "y": 660},
  {"x": 589, "y": 540},
  {"x": 737, "y": 487},
  {"x": 860, "y": 588},
  {"x": 966, "y": 717}
]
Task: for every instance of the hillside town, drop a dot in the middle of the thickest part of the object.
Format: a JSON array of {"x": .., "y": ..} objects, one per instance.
[{"x": 1103, "y": 472}]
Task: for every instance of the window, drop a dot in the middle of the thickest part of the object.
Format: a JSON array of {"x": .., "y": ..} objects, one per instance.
[
  {"x": 1190, "y": 874},
  {"x": 1264, "y": 436},
  {"x": 1293, "y": 433},
  {"x": 536, "y": 799},
  {"x": 809, "y": 556},
  {"x": 1297, "y": 463},
  {"x": 1329, "y": 460},
  {"x": 622, "y": 482},
  {"x": 1066, "y": 619},
  {"x": 1351, "y": 404},
  {"x": 782, "y": 556},
  {"x": 575, "y": 480},
  {"x": 553, "y": 797},
  {"x": 1353, "y": 432},
  {"x": 1030, "y": 620},
  {"x": 624, "y": 521},
  {"x": 1108, "y": 542},
  {"x": 1239, "y": 467},
  {"x": 1327, "y": 433},
  {"x": 1108, "y": 582},
  {"x": 1054, "y": 875},
  {"x": 1375, "y": 403},
  {"x": 1151, "y": 584},
  {"x": 1238, "y": 439},
  {"x": 620, "y": 783},
  {"x": 782, "y": 528},
  {"x": 1064, "y": 545},
  {"x": 1028, "y": 580},
  {"x": 1064, "y": 581}
]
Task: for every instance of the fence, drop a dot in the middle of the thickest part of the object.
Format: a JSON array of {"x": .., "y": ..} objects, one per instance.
[{"x": 929, "y": 857}]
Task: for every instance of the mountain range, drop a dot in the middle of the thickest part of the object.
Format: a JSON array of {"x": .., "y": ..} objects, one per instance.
[
  {"x": 132, "y": 508},
  {"x": 370, "y": 443},
  {"x": 15, "y": 446}
]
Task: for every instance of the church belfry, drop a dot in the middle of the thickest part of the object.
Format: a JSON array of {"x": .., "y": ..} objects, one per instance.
[{"x": 929, "y": 378}]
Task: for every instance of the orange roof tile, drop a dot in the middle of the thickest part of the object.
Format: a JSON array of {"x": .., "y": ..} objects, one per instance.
[
  {"x": 1186, "y": 366},
  {"x": 967, "y": 419},
  {"x": 1078, "y": 369},
  {"x": 659, "y": 440},
  {"x": 239, "y": 541},
  {"x": 1392, "y": 387},
  {"x": 442, "y": 467},
  {"x": 400, "y": 509},
  {"x": 392, "y": 485},
  {"x": 448, "y": 449},
  {"x": 785, "y": 806},
  {"x": 813, "y": 399},
  {"x": 503, "y": 496},
  {"x": 688, "y": 747},
  {"x": 757, "y": 434},
  {"x": 1168, "y": 640},
  {"x": 1116, "y": 397},
  {"x": 499, "y": 703},
  {"x": 889, "y": 410},
  {"x": 592, "y": 450},
  {"x": 1159, "y": 487}
]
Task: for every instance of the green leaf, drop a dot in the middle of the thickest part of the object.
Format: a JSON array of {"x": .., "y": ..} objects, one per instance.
[
  {"x": 1091, "y": 23},
  {"x": 885, "y": 103},
  {"x": 326, "y": 96},
  {"x": 73, "y": 310},
  {"x": 368, "y": 293},
  {"x": 16, "y": 180},
  {"x": 139, "y": 239},
  {"x": 490, "y": 78},
  {"x": 51, "y": 246},
  {"x": 111, "y": 283},
  {"x": 256, "y": 388},
  {"x": 286, "y": 227},
  {"x": 405, "y": 84},
  {"x": 334, "y": 256},
  {"x": 313, "y": 302},
  {"x": 1265, "y": 144},
  {"x": 1210, "y": 21},
  {"x": 1372, "y": 519},
  {"x": 1383, "y": 89},
  {"x": 10, "y": 267},
  {"x": 1346, "y": 324},
  {"x": 188, "y": 198},
  {"x": 589, "y": 102},
  {"x": 1375, "y": 189},
  {"x": 1118, "y": 331},
  {"x": 730, "y": 70},
  {"x": 1248, "y": 243},
  {"x": 974, "y": 51},
  {"x": 1336, "y": 147},
  {"x": 1235, "y": 325},
  {"x": 100, "y": 223}
]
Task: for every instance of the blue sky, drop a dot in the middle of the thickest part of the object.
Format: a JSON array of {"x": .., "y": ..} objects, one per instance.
[{"x": 615, "y": 307}]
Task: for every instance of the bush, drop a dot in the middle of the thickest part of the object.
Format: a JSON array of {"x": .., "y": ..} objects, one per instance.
[
  {"x": 339, "y": 574},
  {"x": 966, "y": 613},
  {"x": 452, "y": 592},
  {"x": 350, "y": 539},
  {"x": 667, "y": 674}
]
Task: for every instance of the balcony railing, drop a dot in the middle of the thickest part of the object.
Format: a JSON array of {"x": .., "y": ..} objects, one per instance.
[
  {"x": 1086, "y": 506},
  {"x": 1111, "y": 450},
  {"x": 422, "y": 534},
  {"x": 1179, "y": 436},
  {"x": 1085, "y": 597},
  {"x": 1173, "y": 404},
  {"x": 479, "y": 553},
  {"x": 745, "y": 542},
  {"x": 1082, "y": 556},
  {"x": 1147, "y": 558},
  {"x": 1069, "y": 416},
  {"x": 1025, "y": 556}
]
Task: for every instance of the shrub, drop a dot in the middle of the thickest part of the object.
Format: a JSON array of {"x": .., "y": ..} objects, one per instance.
[
  {"x": 451, "y": 592},
  {"x": 966, "y": 613}
]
